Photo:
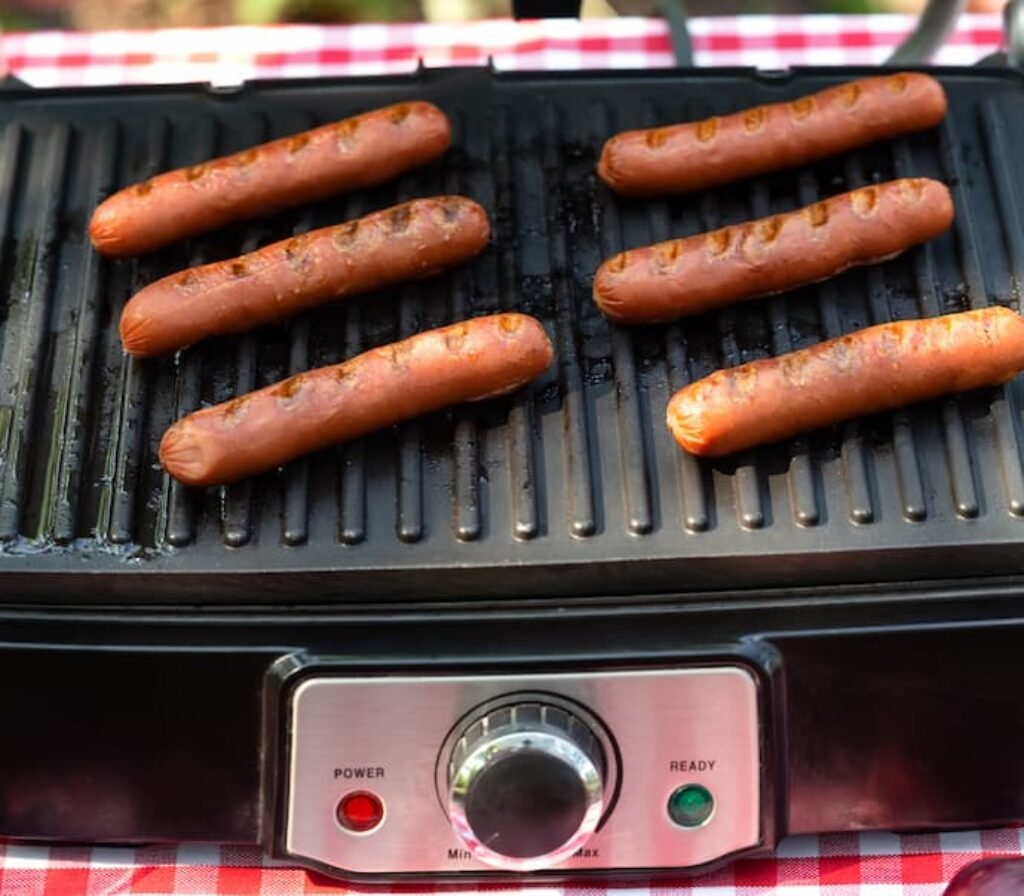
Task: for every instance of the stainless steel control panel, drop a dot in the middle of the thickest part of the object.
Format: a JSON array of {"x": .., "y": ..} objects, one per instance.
[{"x": 393, "y": 775}]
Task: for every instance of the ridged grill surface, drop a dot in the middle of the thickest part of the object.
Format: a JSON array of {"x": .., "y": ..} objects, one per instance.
[{"x": 573, "y": 486}]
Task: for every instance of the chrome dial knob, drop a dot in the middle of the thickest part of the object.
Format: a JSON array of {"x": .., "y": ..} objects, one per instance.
[{"x": 526, "y": 786}]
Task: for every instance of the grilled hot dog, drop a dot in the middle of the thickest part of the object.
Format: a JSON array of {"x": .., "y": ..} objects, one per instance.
[
  {"x": 469, "y": 361},
  {"x": 877, "y": 369},
  {"x": 770, "y": 255},
  {"x": 697, "y": 155},
  {"x": 346, "y": 155},
  {"x": 412, "y": 240}
]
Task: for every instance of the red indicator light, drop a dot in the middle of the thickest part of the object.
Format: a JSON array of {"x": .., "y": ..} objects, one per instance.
[{"x": 360, "y": 812}]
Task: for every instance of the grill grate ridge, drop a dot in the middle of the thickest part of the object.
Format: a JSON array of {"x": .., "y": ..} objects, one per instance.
[
  {"x": 236, "y": 512},
  {"x": 466, "y": 449},
  {"x": 24, "y": 362},
  {"x": 803, "y": 498},
  {"x": 746, "y": 478},
  {"x": 181, "y": 511},
  {"x": 691, "y": 492},
  {"x": 961, "y": 481},
  {"x": 12, "y": 153},
  {"x": 908, "y": 473},
  {"x": 522, "y": 467},
  {"x": 860, "y": 507},
  {"x": 1003, "y": 412},
  {"x": 295, "y": 521},
  {"x": 410, "y": 524},
  {"x": 295, "y": 514},
  {"x": 579, "y": 438},
  {"x": 353, "y": 460},
  {"x": 978, "y": 293},
  {"x": 632, "y": 450},
  {"x": 120, "y": 470},
  {"x": 74, "y": 394}
]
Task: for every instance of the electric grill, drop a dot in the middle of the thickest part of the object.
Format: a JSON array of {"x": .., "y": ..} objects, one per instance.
[{"x": 529, "y": 636}]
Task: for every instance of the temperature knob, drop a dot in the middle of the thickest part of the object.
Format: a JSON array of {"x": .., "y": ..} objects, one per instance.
[{"x": 526, "y": 786}]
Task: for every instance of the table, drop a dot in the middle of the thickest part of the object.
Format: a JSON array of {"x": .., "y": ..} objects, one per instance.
[{"x": 871, "y": 864}]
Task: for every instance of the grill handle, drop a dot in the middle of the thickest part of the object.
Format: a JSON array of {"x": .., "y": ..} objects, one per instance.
[
  {"x": 1013, "y": 28},
  {"x": 935, "y": 23}
]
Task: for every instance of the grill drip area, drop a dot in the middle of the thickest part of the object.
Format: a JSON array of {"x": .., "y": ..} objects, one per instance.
[{"x": 573, "y": 486}]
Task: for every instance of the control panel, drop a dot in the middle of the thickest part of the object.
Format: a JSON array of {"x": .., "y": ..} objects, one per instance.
[{"x": 621, "y": 770}]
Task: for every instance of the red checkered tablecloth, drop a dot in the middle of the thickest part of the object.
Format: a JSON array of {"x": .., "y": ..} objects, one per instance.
[
  {"x": 842, "y": 865},
  {"x": 845, "y": 865},
  {"x": 232, "y": 55}
]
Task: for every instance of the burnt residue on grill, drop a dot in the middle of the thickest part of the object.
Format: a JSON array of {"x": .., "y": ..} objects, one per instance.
[{"x": 565, "y": 485}]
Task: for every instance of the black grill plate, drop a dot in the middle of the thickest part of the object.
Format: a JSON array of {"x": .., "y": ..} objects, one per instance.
[{"x": 573, "y": 487}]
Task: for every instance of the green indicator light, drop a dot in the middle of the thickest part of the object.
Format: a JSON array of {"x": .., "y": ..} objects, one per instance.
[{"x": 691, "y": 805}]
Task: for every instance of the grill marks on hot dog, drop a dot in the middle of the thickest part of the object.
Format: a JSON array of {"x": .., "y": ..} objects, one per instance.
[
  {"x": 347, "y": 155},
  {"x": 876, "y": 369},
  {"x": 697, "y": 155},
  {"x": 699, "y": 273},
  {"x": 469, "y": 361},
  {"x": 413, "y": 240}
]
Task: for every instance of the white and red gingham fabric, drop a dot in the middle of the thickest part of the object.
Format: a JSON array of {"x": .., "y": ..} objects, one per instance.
[
  {"x": 233, "y": 55},
  {"x": 844, "y": 865}
]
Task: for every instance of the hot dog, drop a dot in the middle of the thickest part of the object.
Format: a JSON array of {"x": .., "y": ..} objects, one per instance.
[
  {"x": 877, "y": 369},
  {"x": 412, "y": 240},
  {"x": 694, "y": 156},
  {"x": 469, "y": 361},
  {"x": 696, "y": 274},
  {"x": 346, "y": 155}
]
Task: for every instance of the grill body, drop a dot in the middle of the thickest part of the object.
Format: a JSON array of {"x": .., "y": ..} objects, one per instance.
[{"x": 870, "y": 575}]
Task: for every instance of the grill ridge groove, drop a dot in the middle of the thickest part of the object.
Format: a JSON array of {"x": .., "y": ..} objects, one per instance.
[
  {"x": 578, "y": 431},
  {"x": 295, "y": 518},
  {"x": 466, "y": 450},
  {"x": 997, "y": 154},
  {"x": 409, "y": 524},
  {"x": 633, "y": 453},
  {"x": 116, "y": 511},
  {"x": 191, "y": 361},
  {"x": 236, "y": 499},
  {"x": 691, "y": 492},
  {"x": 33, "y": 286},
  {"x": 522, "y": 466},
  {"x": 12, "y": 149},
  {"x": 977, "y": 289},
  {"x": 75, "y": 394},
  {"x": 965, "y": 497},
  {"x": 961, "y": 482},
  {"x": 11, "y": 160},
  {"x": 410, "y": 451},
  {"x": 802, "y": 496},
  {"x": 353, "y": 455},
  {"x": 746, "y": 479},
  {"x": 852, "y": 455},
  {"x": 295, "y": 526},
  {"x": 908, "y": 472}
]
